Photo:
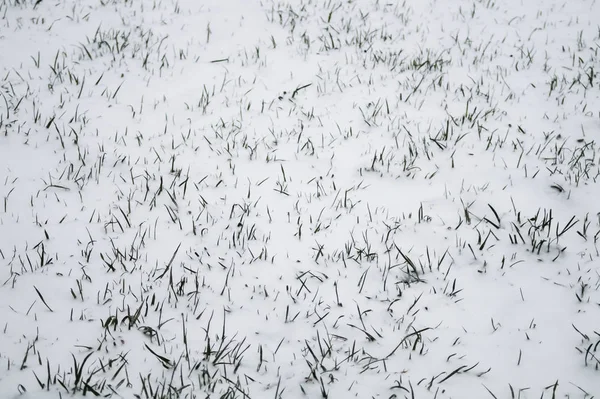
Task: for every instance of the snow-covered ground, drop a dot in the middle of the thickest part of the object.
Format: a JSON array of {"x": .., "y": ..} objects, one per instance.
[{"x": 301, "y": 198}]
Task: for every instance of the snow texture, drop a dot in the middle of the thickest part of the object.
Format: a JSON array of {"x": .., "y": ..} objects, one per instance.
[{"x": 299, "y": 199}]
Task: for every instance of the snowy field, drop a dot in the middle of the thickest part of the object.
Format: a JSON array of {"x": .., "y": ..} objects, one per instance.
[{"x": 299, "y": 199}]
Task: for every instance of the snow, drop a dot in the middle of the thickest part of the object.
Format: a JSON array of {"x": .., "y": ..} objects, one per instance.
[{"x": 302, "y": 198}]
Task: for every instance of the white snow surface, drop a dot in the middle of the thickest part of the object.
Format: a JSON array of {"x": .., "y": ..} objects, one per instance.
[{"x": 299, "y": 198}]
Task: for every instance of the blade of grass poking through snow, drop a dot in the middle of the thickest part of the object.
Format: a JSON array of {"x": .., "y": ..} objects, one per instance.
[
  {"x": 406, "y": 338},
  {"x": 299, "y": 88},
  {"x": 42, "y": 298},
  {"x": 168, "y": 266},
  {"x": 495, "y": 214},
  {"x": 490, "y": 392},
  {"x": 166, "y": 363}
]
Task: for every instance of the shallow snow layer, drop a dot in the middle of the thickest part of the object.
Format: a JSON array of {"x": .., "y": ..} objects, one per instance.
[{"x": 334, "y": 199}]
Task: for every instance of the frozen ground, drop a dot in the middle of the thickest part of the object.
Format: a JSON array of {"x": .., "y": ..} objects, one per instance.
[{"x": 244, "y": 199}]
